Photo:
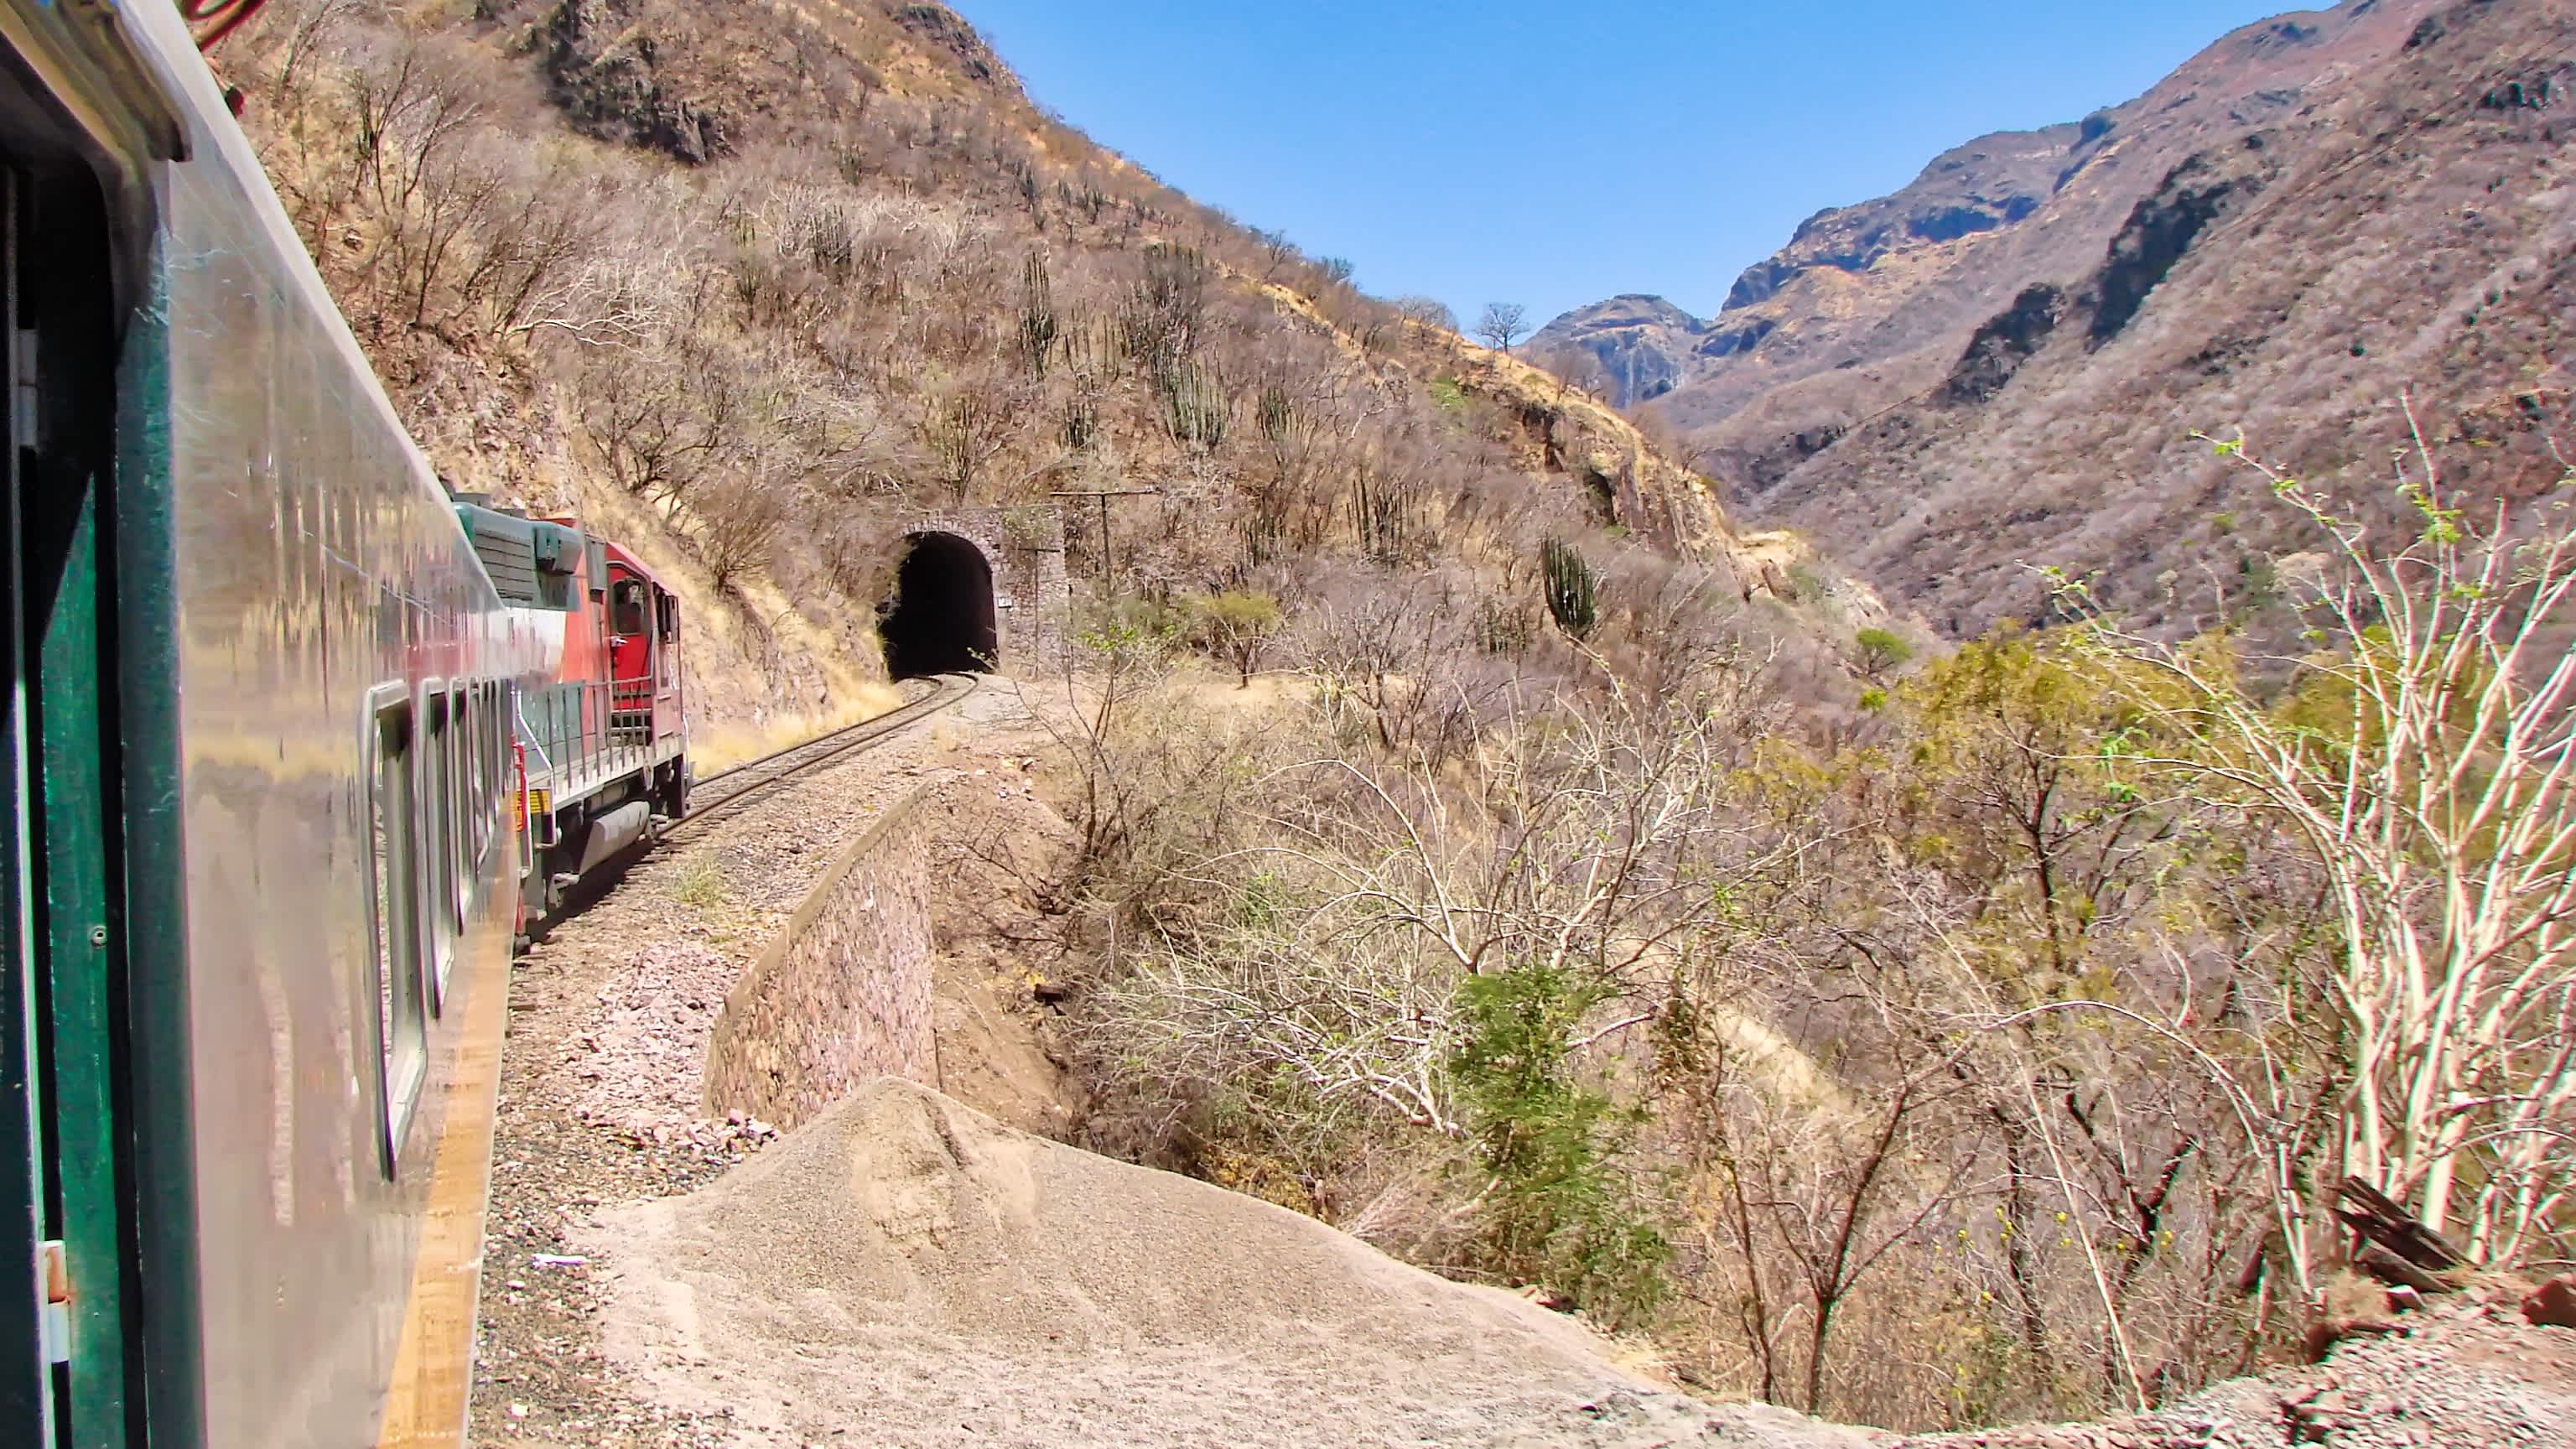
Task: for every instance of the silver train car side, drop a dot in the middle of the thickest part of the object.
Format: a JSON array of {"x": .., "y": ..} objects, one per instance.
[{"x": 257, "y": 902}]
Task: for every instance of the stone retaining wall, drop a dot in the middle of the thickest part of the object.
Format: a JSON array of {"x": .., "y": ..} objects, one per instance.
[{"x": 843, "y": 994}]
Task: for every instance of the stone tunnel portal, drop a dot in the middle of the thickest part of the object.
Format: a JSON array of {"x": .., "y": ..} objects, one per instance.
[{"x": 941, "y": 619}]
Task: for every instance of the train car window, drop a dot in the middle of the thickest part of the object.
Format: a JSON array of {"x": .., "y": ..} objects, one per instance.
[
  {"x": 451, "y": 809},
  {"x": 401, "y": 1031},
  {"x": 436, "y": 880},
  {"x": 502, "y": 737},
  {"x": 479, "y": 764},
  {"x": 469, "y": 793},
  {"x": 460, "y": 809},
  {"x": 495, "y": 751}
]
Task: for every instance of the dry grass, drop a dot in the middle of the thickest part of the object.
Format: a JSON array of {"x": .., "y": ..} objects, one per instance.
[{"x": 741, "y": 741}]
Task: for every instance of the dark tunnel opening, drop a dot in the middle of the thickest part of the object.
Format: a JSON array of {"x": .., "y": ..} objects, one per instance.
[{"x": 941, "y": 619}]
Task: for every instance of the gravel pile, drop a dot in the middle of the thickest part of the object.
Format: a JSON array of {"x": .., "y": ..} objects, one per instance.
[{"x": 906, "y": 1271}]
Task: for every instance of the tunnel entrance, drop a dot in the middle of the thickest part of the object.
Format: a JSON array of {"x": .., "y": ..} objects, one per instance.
[{"x": 941, "y": 619}]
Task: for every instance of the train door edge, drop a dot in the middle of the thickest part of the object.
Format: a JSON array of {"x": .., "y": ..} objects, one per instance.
[{"x": 96, "y": 1205}]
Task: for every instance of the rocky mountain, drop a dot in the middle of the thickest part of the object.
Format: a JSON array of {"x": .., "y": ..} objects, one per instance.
[
  {"x": 2001, "y": 364},
  {"x": 1631, "y": 349}
]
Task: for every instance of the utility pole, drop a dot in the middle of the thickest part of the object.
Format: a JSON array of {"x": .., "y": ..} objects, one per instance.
[{"x": 1104, "y": 495}]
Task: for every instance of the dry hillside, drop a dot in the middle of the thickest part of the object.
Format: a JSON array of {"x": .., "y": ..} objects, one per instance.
[
  {"x": 756, "y": 286},
  {"x": 2001, "y": 364},
  {"x": 1869, "y": 284}
]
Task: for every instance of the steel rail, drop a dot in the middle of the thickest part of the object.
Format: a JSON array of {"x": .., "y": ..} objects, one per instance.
[{"x": 770, "y": 770}]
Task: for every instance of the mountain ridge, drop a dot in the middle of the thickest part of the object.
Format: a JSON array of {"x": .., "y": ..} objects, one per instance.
[
  {"x": 2237, "y": 248},
  {"x": 1810, "y": 308}
]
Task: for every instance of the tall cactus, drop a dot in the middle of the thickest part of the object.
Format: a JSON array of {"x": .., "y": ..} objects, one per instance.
[
  {"x": 1196, "y": 406},
  {"x": 1165, "y": 311},
  {"x": 1080, "y": 420},
  {"x": 1277, "y": 413},
  {"x": 1038, "y": 326},
  {"x": 1572, "y": 589}
]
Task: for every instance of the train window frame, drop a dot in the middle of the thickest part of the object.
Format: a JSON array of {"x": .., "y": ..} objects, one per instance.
[
  {"x": 434, "y": 805},
  {"x": 392, "y": 852},
  {"x": 497, "y": 760},
  {"x": 514, "y": 786},
  {"x": 468, "y": 802},
  {"x": 504, "y": 740},
  {"x": 460, "y": 883},
  {"x": 478, "y": 755},
  {"x": 630, "y": 601},
  {"x": 487, "y": 812},
  {"x": 462, "y": 806}
]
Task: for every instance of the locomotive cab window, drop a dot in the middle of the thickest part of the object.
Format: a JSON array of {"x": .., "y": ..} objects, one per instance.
[
  {"x": 401, "y": 1025},
  {"x": 630, "y": 609}
]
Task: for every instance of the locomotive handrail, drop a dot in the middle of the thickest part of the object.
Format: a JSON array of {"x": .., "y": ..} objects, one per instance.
[
  {"x": 588, "y": 733},
  {"x": 528, "y": 741}
]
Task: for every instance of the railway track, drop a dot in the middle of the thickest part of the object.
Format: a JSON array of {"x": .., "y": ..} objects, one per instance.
[{"x": 723, "y": 793}]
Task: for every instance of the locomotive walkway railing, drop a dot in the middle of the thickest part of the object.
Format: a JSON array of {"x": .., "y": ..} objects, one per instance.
[{"x": 579, "y": 737}]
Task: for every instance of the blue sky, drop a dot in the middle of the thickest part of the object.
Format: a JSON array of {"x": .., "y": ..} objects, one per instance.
[{"x": 1556, "y": 153}]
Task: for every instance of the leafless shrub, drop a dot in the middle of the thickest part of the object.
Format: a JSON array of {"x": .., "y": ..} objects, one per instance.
[{"x": 965, "y": 429}]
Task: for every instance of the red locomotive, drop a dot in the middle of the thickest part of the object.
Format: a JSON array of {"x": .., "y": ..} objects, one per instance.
[{"x": 603, "y": 748}]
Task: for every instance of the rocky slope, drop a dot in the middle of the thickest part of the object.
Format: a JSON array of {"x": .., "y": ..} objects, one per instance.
[
  {"x": 2001, "y": 364},
  {"x": 1631, "y": 349},
  {"x": 1872, "y": 282},
  {"x": 760, "y": 286}
]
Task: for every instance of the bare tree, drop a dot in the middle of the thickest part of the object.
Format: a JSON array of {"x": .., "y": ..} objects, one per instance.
[
  {"x": 1426, "y": 311},
  {"x": 1277, "y": 251},
  {"x": 308, "y": 29},
  {"x": 965, "y": 431},
  {"x": 2426, "y": 761},
  {"x": 738, "y": 525},
  {"x": 1605, "y": 859},
  {"x": 1501, "y": 324}
]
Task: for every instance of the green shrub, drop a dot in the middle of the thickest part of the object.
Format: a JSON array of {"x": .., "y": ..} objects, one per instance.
[
  {"x": 1882, "y": 650},
  {"x": 1560, "y": 1211},
  {"x": 1237, "y": 624}
]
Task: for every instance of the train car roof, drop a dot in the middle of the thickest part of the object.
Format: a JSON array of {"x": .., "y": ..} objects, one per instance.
[
  {"x": 635, "y": 565},
  {"x": 617, "y": 553}
]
